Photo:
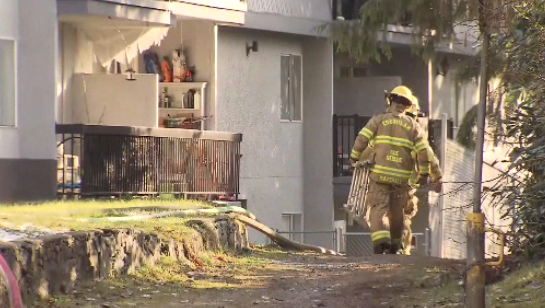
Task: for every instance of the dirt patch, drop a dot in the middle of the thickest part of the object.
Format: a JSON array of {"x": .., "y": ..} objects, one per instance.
[{"x": 273, "y": 279}]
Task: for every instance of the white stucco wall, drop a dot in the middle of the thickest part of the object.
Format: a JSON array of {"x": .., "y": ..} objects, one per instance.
[
  {"x": 34, "y": 27},
  {"x": 285, "y": 166},
  {"x": 248, "y": 96},
  {"x": 318, "y": 139}
]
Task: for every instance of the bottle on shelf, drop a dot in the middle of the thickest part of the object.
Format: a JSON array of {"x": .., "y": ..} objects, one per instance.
[{"x": 165, "y": 99}]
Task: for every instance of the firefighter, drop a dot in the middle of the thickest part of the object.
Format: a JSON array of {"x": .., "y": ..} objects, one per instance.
[
  {"x": 395, "y": 135},
  {"x": 412, "y": 203}
]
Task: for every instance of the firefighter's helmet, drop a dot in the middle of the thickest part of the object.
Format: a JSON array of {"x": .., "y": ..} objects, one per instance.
[
  {"x": 401, "y": 95},
  {"x": 414, "y": 110}
]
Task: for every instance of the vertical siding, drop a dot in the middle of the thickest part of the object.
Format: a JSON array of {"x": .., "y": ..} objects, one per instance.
[{"x": 458, "y": 202}]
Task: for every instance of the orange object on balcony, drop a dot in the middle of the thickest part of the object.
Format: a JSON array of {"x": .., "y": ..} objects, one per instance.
[{"x": 166, "y": 70}]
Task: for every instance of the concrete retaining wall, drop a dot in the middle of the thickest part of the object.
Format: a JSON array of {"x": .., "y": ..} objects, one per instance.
[{"x": 53, "y": 264}]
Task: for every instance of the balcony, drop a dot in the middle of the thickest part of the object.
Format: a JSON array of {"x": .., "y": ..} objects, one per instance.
[{"x": 108, "y": 161}]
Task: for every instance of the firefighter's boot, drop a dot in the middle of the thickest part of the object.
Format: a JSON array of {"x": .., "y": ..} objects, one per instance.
[
  {"x": 394, "y": 248},
  {"x": 381, "y": 248}
]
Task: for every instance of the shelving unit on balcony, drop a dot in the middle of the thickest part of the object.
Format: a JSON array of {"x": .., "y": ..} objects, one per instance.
[{"x": 177, "y": 91}]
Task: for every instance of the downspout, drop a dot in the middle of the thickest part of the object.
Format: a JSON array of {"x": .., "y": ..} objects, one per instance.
[{"x": 61, "y": 40}]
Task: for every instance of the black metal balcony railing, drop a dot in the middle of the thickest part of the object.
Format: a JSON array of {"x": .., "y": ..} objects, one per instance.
[
  {"x": 99, "y": 160},
  {"x": 345, "y": 130},
  {"x": 347, "y": 127}
]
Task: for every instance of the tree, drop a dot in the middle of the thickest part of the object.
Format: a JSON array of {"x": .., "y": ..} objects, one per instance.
[
  {"x": 433, "y": 22},
  {"x": 523, "y": 75}
]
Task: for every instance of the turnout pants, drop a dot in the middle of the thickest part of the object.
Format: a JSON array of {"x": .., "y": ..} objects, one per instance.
[
  {"x": 408, "y": 213},
  {"x": 386, "y": 203}
]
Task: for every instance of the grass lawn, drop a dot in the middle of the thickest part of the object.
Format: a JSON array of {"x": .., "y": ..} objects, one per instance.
[
  {"x": 522, "y": 288},
  {"x": 67, "y": 215}
]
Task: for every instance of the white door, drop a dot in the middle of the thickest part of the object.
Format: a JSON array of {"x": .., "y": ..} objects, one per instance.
[{"x": 287, "y": 225}]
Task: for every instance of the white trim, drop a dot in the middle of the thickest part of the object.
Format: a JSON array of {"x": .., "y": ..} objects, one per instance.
[
  {"x": 8, "y": 38},
  {"x": 16, "y": 85},
  {"x": 68, "y": 10},
  {"x": 148, "y": 4},
  {"x": 214, "y": 90},
  {"x": 183, "y": 9},
  {"x": 228, "y": 5},
  {"x": 301, "y": 88}
]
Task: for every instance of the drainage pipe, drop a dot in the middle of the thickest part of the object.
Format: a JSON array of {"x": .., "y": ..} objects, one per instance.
[
  {"x": 14, "y": 293},
  {"x": 233, "y": 212}
]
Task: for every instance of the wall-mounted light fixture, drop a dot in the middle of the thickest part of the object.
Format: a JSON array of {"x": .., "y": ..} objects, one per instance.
[
  {"x": 130, "y": 74},
  {"x": 442, "y": 68},
  {"x": 251, "y": 47}
]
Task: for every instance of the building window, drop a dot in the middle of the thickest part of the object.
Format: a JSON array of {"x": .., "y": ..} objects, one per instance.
[
  {"x": 290, "y": 88},
  {"x": 7, "y": 82}
]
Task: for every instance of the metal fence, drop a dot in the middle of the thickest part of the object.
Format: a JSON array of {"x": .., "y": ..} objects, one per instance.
[
  {"x": 355, "y": 244},
  {"x": 95, "y": 160},
  {"x": 358, "y": 244},
  {"x": 327, "y": 239},
  {"x": 345, "y": 130}
]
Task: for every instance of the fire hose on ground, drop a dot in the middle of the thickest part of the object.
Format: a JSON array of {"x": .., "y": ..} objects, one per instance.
[
  {"x": 233, "y": 212},
  {"x": 14, "y": 293}
]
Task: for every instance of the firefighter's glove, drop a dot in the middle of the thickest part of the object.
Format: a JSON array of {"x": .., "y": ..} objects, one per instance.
[
  {"x": 423, "y": 179},
  {"x": 352, "y": 163},
  {"x": 436, "y": 184},
  {"x": 437, "y": 187}
]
